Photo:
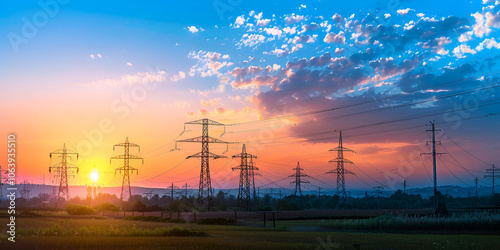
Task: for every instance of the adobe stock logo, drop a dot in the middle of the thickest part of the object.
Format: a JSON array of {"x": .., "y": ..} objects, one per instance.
[{"x": 30, "y": 27}]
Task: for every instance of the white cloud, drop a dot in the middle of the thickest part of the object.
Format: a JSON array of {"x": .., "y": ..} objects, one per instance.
[
  {"x": 337, "y": 18},
  {"x": 404, "y": 12},
  {"x": 463, "y": 49},
  {"x": 493, "y": 19},
  {"x": 138, "y": 78},
  {"x": 179, "y": 76},
  {"x": 258, "y": 16},
  {"x": 304, "y": 39},
  {"x": 293, "y": 19},
  {"x": 297, "y": 47},
  {"x": 192, "y": 29},
  {"x": 338, "y": 51},
  {"x": 263, "y": 22},
  {"x": 275, "y": 31},
  {"x": 252, "y": 39},
  {"x": 479, "y": 28},
  {"x": 442, "y": 41},
  {"x": 465, "y": 36},
  {"x": 280, "y": 52},
  {"x": 334, "y": 38},
  {"x": 488, "y": 43},
  {"x": 130, "y": 64},
  {"x": 208, "y": 63},
  {"x": 387, "y": 15},
  {"x": 240, "y": 20},
  {"x": 95, "y": 56},
  {"x": 289, "y": 30}
]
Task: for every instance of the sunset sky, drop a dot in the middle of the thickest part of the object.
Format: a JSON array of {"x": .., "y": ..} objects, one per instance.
[{"x": 91, "y": 73}]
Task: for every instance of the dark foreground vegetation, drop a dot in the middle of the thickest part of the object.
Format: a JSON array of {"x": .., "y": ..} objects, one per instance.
[{"x": 224, "y": 202}]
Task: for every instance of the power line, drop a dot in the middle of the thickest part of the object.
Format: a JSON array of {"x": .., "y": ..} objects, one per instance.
[
  {"x": 459, "y": 165},
  {"x": 407, "y": 118},
  {"x": 451, "y": 172},
  {"x": 350, "y": 105},
  {"x": 466, "y": 151}
]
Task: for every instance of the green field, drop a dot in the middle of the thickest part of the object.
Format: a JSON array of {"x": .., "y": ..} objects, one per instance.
[{"x": 64, "y": 232}]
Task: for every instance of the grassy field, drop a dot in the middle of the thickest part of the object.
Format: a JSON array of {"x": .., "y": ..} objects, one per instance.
[{"x": 62, "y": 232}]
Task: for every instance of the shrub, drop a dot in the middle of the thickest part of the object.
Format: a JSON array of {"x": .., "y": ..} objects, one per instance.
[
  {"x": 79, "y": 209},
  {"x": 106, "y": 206}
]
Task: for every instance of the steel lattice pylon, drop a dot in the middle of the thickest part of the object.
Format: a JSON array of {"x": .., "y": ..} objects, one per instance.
[
  {"x": 246, "y": 177},
  {"x": 172, "y": 189},
  {"x": 298, "y": 175},
  {"x": 341, "y": 171},
  {"x": 205, "y": 186},
  {"x": 126, "y": 191},
  {"x": 61, "y": 170},
  {"x": 252, "y": 176}
]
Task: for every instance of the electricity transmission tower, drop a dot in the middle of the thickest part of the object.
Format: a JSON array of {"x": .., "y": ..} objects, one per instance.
[
  {"x": 172, "y": 188},
  {"x": 491, "y": 174},
  {"x": 378, "y": 190},
  {"x": 126, "y": 192},
  {"x": 298, "y": 175},
  {"x": 341, "y": 171},
  {"x": 434, "y": 164},
  {"x": 25, "y": 193},
  {"x": 246, "y": 177},
  {"x": 205, "y": 186},
  {"x": 61, "y": 170},
  {"x": 149, "y": 194},
  {"x": 252, "y": 176}
]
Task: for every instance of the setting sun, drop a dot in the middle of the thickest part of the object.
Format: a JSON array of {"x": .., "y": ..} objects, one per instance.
[{"x": 94, "y": 175}]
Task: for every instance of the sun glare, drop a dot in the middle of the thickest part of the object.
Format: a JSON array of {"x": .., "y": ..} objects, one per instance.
[{"x": 94, "y": 175}]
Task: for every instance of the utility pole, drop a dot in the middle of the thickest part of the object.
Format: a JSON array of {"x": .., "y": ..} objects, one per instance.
[
  {"x": 404, "y": 186},
  {"x": 476, "y": 181},
  {"x": 205, "y": 187},
  {"x": 298, "y": 175},
  {"x": 491, "y": 174},
  {"x": 341, "y": 171},
  {"x": 434, "y": 156},
  {"x": 185, "y": 187},
  {"x": 246, "y": 177},
  {"x": 126, "y": 192},
  {"x": 1, "y": 188},
  {"x": 61, "y": 170}
]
